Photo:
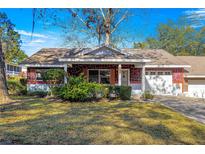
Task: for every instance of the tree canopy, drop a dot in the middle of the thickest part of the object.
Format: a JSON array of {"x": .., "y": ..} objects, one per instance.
[
  {"x": 92, "y": 24},
  {"x": 178, "y": 39},
  {"x": 11, "y": 41}
]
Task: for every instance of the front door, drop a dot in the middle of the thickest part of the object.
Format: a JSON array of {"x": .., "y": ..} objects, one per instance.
[{"x": 125, "y": 78}]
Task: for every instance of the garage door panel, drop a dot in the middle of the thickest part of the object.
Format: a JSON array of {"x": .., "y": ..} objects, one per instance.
[{"x": 196, "y": 88}]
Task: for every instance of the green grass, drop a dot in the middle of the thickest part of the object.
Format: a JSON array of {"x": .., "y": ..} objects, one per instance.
[{"x": 40, "y": 121}]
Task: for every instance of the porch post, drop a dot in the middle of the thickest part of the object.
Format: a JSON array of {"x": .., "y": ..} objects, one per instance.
[
  {"x": 65, "y": 70},
  {"x": 143, "y": 78},
  {"x": 119, "y": 74}
]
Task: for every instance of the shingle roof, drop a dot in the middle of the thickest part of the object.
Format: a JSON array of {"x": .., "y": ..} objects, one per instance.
[
  {"x": 46, "y": 56},
  {"x": 50, "y": 56},
  {"x": 197, "y": 64},
  {"x": 158, "y": 56}
]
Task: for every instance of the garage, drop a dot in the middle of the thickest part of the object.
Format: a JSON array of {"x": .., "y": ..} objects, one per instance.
[{"x": 196, "y": 88}]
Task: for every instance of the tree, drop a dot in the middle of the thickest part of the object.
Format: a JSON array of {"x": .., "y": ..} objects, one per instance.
[
  {"x": 10, "y": 41},
  {"x": 140, "y": 45},
  {"x": 3, "y": 85},
  {"x": 178, "y": 39},
  {"x": 95, "y": 23},
  {"x": 9, "y": 51}
]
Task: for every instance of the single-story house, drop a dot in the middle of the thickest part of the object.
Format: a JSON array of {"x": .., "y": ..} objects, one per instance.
[{"x": 144, "y": 69}]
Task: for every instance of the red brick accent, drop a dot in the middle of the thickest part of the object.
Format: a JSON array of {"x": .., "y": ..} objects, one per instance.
[
  {"x": 135, "y": 75},
  {"x": 112, "y": 76},
  {"x": 178, "y": 75}
]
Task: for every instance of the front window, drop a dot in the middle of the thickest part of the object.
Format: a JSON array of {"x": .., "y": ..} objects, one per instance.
[
  {"x": 39, "y": 74},
  {"x": 93, "y": 76},
  {"x": 99, "y": 76},
  {"x": 104, "y": 76}
]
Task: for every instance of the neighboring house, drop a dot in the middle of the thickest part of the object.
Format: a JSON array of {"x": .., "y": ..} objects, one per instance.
[
  {"x": 143, "y": 69},
  {"x": 13, "y": 70}
]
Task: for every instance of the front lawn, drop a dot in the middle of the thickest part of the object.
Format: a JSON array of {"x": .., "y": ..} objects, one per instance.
[{"x": 40, "y": 121}]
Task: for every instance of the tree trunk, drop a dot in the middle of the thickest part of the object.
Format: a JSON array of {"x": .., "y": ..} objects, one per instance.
[
  {"x": 3, "y": 85},
  {"x": 107, "y": 39},
  {"x": 107, "y": 27}
]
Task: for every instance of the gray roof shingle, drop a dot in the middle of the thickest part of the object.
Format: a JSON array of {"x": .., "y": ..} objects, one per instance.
[{"x": 50, "y": 56}]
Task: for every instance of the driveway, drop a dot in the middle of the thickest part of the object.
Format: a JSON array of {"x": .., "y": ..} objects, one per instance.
[{"x": 191, "y": 107}]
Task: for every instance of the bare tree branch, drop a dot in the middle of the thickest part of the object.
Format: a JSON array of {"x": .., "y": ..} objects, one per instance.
[
  {"x": 118, "y": 23},
  {"x": 81, "y": 19},
  {"x": 33, "y": 21},
  {"x": 102, "y": 13}
]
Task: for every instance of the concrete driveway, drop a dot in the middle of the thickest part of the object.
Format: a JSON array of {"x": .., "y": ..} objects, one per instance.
[{"x": 191, "y": 107}]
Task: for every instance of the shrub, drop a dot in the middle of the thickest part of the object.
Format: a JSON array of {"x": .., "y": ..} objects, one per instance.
[
  {"x": 122, "y": 92},
  {"x": 78, "y": 89},
  {"x": 114, "y": 92},
  {"x": 16, "y": 86},
  {"x": 125, "y": 92},
  {"x": 40, "y": 94},
  {"x": 54, "y": 78},
  {"x": 147, "y": 95}
]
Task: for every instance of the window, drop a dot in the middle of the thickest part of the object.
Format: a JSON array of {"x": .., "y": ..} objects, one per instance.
[
  {"x": 167, "y": 73},
  {"x": 146, "y": 73},
  {"x": 159, "y": 73},
  {"x": 8, "y": 67},
  {"x": 11, "y": 68},
  {"x": 38, "y": 76},
  {"x": 99, "y": 76},
  {"x": 93, "y": 75},
  {"x": 105, "y": 76},
  {"x": 152, "y": 73},
  {"x": 39, "y": 73}
]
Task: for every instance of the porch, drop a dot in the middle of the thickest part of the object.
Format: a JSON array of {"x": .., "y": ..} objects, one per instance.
[{"x": 111, "y": 74}]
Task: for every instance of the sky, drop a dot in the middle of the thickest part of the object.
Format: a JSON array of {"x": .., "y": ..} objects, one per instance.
[{"x": 142, "y": 24}]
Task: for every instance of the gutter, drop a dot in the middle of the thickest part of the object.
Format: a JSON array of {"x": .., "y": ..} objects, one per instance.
[
  {"x": 167, "y": 66},
  {"x": 92, "y": 60},
  {"x": 194, "y": 76}
]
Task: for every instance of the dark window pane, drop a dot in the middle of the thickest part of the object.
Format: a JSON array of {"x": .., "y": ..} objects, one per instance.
[
  {"x": 160, "y": 73},
  {"x": 105, "y": 76},
  {"x": 93, "y": 76}
]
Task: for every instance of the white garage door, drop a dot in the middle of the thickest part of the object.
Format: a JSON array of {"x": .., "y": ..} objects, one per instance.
[
  {"x": 160, "y": 83},
  {"x": 196, "y": 88}
]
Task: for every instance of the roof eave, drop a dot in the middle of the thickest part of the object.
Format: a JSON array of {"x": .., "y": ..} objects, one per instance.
[
  {"x": 93, "y": 60},
  {"x": 167, "y": 66},
  {"x": 194, "y": 76}
]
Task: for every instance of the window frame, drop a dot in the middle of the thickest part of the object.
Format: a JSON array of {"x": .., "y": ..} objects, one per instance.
[
  {"x": 170, "y": 72},
  {"x": 99, "y": 76},
  {"x": 151, "y": 73},
  {"x": 160, "y": 72}
]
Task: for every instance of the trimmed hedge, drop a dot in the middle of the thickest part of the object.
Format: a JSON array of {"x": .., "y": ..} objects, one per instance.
[
  {"x": 40, "y": 94},
  {"x": 17, "y": 86},
  {"x": 122, "y": 92},
  {"x": 79, "y": 90},
  {"x": 125, "y": 92},
  {"x": 147, "y": 95}
]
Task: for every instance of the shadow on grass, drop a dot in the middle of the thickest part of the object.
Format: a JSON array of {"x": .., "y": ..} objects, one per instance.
[{"x": 90, "y": 123}]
